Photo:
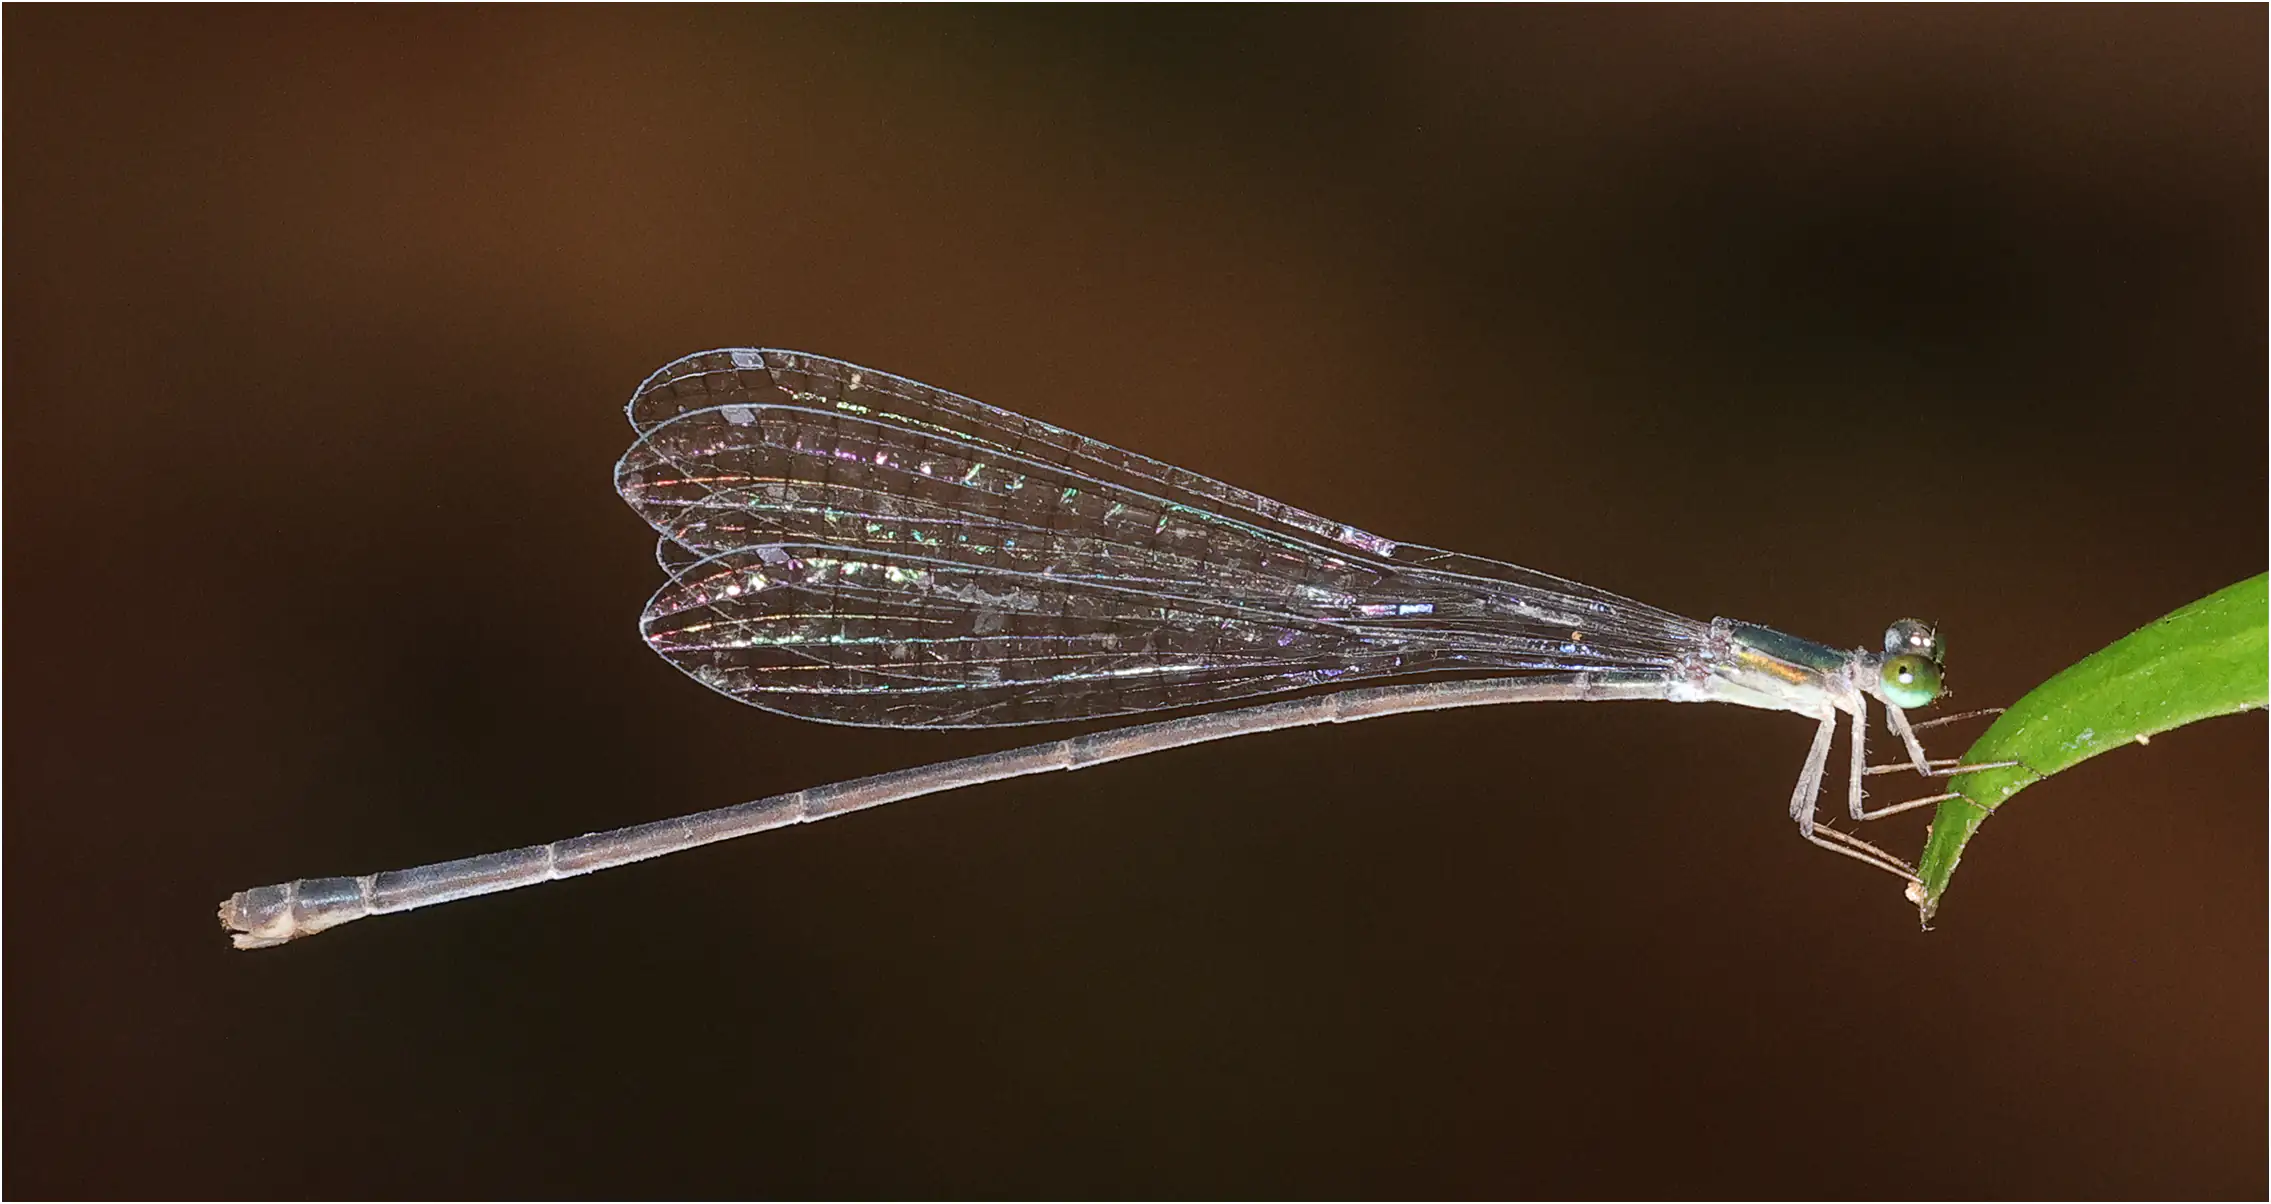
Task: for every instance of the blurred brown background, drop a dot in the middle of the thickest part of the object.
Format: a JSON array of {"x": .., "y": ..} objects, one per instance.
[{"x": 317, "y": 326}]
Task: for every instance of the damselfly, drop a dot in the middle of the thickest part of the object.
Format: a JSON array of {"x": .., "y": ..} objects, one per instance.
[{"x": 848, "y": 546}]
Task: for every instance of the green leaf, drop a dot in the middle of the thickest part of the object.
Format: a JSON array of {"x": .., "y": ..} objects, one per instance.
[{"x": 2205, "y": 660}]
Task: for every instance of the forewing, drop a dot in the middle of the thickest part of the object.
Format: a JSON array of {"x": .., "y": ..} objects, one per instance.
[{"x": 852, "y": 635}]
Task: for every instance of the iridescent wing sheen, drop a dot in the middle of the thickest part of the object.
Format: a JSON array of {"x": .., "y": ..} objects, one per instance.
[{"x": 851, "y": 546}]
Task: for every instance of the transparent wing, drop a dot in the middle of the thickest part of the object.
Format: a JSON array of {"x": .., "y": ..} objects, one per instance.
[
  {"x": 863, "y": 636},
  {"x": 850, "y": 546}
]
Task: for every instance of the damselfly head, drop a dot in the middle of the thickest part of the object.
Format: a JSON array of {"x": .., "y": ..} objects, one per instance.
[{"x": 1910, "y": 671}]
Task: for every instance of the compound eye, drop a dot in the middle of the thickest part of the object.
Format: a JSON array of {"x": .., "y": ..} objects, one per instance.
[
  {"x": 1910, "y": 681},
  {"x": 1912, "y": 636}
]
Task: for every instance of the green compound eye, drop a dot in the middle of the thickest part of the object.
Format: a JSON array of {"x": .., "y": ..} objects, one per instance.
[{"x": 1910, "y": 681}]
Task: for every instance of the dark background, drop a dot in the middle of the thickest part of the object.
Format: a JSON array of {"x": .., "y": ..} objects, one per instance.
[{"x": 317, "y": 326}]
